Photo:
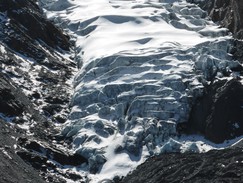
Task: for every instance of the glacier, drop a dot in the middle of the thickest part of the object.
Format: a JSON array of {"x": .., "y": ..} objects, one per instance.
[{"x": 142, "y": 64}]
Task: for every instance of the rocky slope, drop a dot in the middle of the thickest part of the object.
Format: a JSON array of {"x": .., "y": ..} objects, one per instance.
[
  {"x": 134, "y": 91},
  {"x": 34, "y": 94},
  {"x": 229, "y": 14},
  {"x": 213, "y": 166}
]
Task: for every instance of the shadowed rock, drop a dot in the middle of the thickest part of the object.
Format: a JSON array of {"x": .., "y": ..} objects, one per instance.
[
  {"x": 8, "y": 103},
  {"x": 27, "y": 23},
  {"x": 45, "y": 152},
  {"x": 218, "y": 114}
]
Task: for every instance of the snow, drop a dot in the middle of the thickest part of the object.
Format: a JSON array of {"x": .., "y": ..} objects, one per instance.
[
  {"x": 236, "y": 125},
  {"x": 2, "y": 49},
  {"x": 5, "y": 153},
  {"x": 142, "y": 64}
]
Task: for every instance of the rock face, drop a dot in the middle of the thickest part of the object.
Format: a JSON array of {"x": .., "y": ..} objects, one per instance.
[
  {"x": 52, "y": 153},
  {"x": 34, "y": 93},
  {"x": 218, "y": 114},
  {"x": 26, "y": 23},
  {"x": 8, "y": 105},
  {"x": 45, "y": 157},
  {"x": 33, "y": 74},
  {"x": 213, "y": 166}
]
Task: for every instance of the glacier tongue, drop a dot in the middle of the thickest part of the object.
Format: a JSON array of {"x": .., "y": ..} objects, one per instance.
[{"x": 142, "y": 64}]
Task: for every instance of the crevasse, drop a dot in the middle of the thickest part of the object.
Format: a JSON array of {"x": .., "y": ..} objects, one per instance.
[{"x": 142, "y": 65}]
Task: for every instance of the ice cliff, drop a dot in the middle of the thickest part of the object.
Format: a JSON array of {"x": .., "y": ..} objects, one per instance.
[{"x": 142, "y": 65}]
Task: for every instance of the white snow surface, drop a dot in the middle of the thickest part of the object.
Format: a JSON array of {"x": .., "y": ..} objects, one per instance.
[{"x": 142, "y": 64}]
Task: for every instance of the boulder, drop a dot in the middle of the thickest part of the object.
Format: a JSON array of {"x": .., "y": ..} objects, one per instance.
[{"x": 26, "y": 23}]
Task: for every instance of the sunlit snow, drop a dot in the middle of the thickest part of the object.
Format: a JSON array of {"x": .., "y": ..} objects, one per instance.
[{"x": 142, "y": 64}]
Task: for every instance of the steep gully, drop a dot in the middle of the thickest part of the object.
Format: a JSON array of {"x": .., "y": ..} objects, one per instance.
[{"x": 15, "y": 103}]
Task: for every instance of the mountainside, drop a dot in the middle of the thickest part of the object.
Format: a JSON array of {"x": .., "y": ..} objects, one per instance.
[
  {"x": 34, "y": 93},
  {"x": 89, "y": 90}
]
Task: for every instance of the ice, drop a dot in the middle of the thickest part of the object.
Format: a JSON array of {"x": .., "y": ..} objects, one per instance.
[
  {"x": 5, "y": 153},
  {"x": 142, "y": 64},
  {"x": 2, "y": 49}
]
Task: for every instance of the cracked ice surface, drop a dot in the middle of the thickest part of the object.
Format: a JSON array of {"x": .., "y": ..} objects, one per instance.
[{"x": 142, "y": 64}]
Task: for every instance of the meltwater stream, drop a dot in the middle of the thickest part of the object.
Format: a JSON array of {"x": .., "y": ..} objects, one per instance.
[{"x": 142, "y": 65}]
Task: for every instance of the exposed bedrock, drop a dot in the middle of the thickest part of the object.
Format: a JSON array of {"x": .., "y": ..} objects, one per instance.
[
  {"x": 33, "y": 73},
  {"x": 8, "y": 105},
  {"x": 13, "y": 168},
  {"x": 219, "y": 113},
  {"x": 48, "y": 153},
  {"x": 213, "y": 166}
]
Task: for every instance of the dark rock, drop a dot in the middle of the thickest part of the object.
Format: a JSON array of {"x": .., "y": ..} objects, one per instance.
[
  {"x": 226, "y": 118},
  {"x": 52, "y": 109},
  {"x": 14, "y": 102},
  {"x": 52, "y": 153},
  {"x": 36, "y": 95},
  {"x": 237, "y": 51},
  {"x": 74, "y": 176},
  {"x": 37, "y": 161},
  {"x": 27, "y": 23},
  {"x": 57, "y": 99},
  {"x": 219, "y": 113},
  {"x": 201, "y": 110},
  {"x": 33, "y": 88},
  {"x": 214, "y": 166},
  {"x": 60, "y": 119}
]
